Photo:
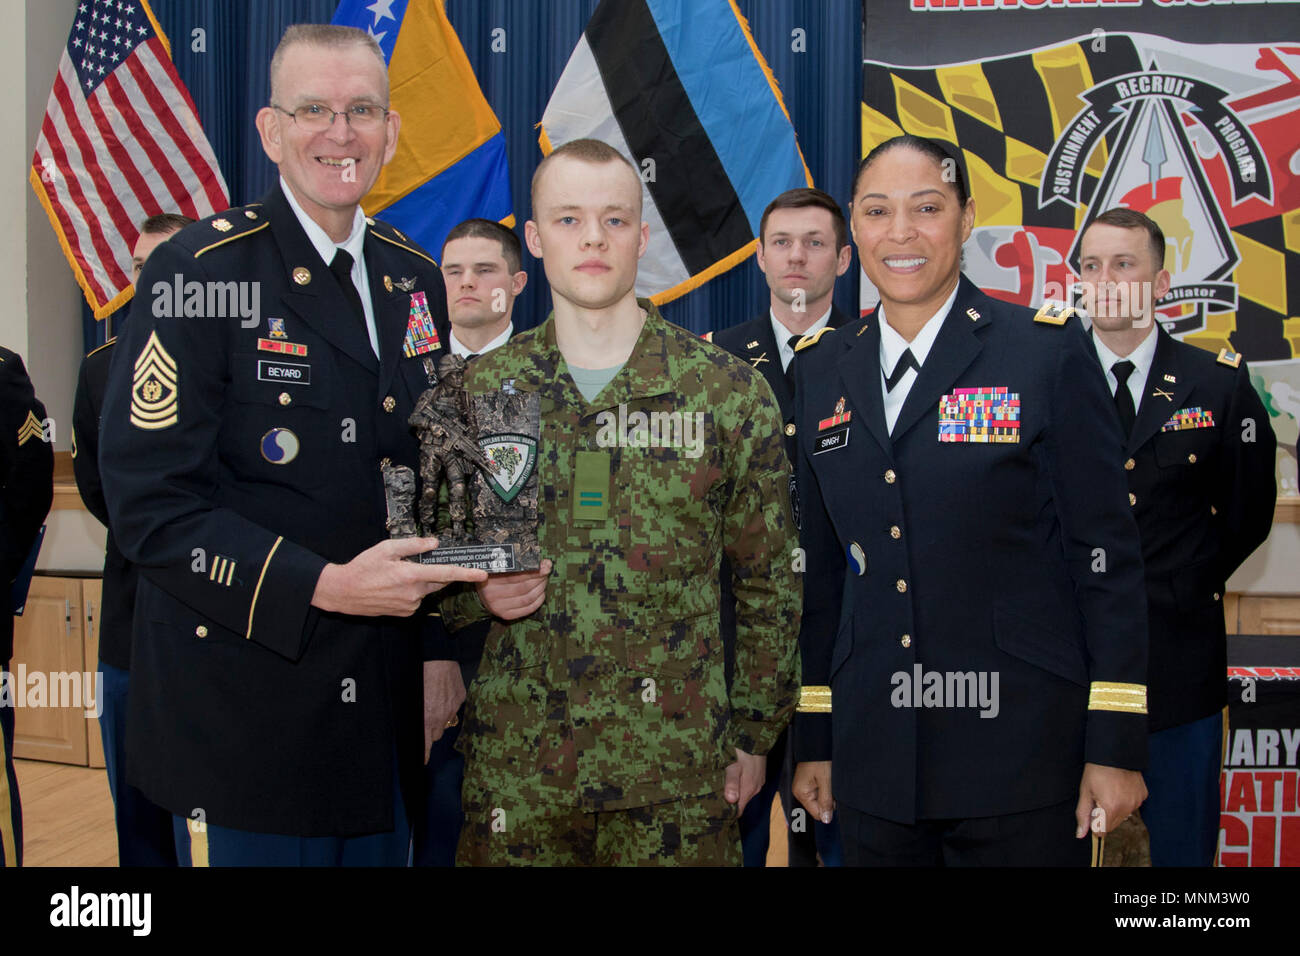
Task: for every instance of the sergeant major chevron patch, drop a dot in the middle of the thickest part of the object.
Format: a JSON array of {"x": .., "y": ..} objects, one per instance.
[{"x": 154, "y": 387}]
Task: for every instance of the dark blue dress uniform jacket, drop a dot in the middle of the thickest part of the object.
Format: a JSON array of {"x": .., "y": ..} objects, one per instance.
[
  {"x": 1019, "y": 560},
  {"x": 1204, "y": 501},
  {"x": 117, "y": 598},
  {"x": 246, "y": 703},
  {"x": 26, "y": 481},
  {"x": 754, "y": 342}
]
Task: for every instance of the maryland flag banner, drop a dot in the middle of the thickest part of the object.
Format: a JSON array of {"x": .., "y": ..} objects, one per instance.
[
  {"x": 1199, "y": 135},
  {"x": 450, "y": 163},
  {"x": 681, "y": 90}
]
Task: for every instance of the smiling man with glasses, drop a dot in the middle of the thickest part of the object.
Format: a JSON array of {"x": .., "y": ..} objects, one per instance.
[{"x": 281, "y": 638}]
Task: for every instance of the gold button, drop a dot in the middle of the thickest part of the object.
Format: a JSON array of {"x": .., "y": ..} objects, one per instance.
[
  {"x": 1132, "y": 499},
  {"x": 388, "y": 283},
  {"x": 890, "y": 477},
  {"x": 901, "y": 585},
  {"x": 906, "y": 640},
  {"x": 1216, "y": 595},
  {"x": 1130, "y": 465},
  {"x": 284, "y": 398},
  {"x": 250, "y": 214},
  {"x": 895, "y": 532},
  {"x": 789, "y": 428},
  {"x": 200, "y": 631},
  {"x": 1191, "y": 459},
  {"x": 390, "y": 403}
]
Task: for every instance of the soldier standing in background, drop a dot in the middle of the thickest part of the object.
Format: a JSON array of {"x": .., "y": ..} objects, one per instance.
[
  {"x": 1200, "y": 455},
  {"x": 482, "y": 267},
  {"x": 26, "y": 491},
  {"x": 803, "y": 246},
  {"x": 144, "y": 830}
]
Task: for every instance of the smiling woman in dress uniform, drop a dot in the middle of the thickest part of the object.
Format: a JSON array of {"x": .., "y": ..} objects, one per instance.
[{"x": 974, "y": 635}]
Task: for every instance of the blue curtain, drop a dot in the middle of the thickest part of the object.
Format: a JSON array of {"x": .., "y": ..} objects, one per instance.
[{"x": 819, "y": 72}]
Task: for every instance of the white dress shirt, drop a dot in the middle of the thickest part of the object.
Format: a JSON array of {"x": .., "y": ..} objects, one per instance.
[
  {"x": 782, "y": 335},
  {"x": 1142, "y": 358},
  {"x": 464, "y": 351},
  {"x": 893, "y": 345},
  {"x": 355, "y": 246}
]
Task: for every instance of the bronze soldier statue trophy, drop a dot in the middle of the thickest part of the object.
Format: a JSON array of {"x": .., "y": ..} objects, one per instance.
[{"x": 485, "y": 445}]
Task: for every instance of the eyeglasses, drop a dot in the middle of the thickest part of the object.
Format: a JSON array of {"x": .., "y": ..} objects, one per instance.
[{"x": 317, "y": 117}]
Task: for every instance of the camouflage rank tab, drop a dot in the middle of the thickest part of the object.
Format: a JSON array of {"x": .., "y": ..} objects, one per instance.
[
  {"x": 1054, "y": 313},
  {"x": 810, "y": 340},
  {"x": 154, "y": 387},
  {"x": 591, "y": 486},
  {"x": 1229, "y": 358}
]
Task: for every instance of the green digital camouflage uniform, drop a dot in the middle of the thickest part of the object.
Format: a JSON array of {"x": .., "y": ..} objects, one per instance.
[{"x": 611, "y": 697}]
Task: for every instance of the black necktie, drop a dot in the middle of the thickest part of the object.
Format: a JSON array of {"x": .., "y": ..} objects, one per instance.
[
  {"x": 905, "y": 361},
  {"x": 792, "y": 341},
  {"x": 342, "y": 269},
  {"x": 1123, "y": 398}
]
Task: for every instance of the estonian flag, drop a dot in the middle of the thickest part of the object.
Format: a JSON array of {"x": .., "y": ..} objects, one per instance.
[
  {"x": 450, "y": 163},
  {"x": 680, "y": 89}
]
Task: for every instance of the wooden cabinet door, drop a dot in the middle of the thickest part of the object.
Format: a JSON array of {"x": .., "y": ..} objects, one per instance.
[
  {"x": 49, "y": 656},
  {"x": 1265, "y": 614},
  {"x": 91, "y": 591}
]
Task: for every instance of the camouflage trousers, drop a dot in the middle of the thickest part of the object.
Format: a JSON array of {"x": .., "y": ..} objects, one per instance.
[{"x": 690, "y": 831}]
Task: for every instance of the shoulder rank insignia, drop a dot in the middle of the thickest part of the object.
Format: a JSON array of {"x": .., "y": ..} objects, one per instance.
[
  {"x": 102, "y": 347},
  {"x": 1054, "y": 313},
  {"x": 813, "y": 339},
  {"x": 154, "y": 387},
  {"x": 386, "y": 233},
  {"x": 1229, "y": 358},
  {"x": 232, "y": 231}
]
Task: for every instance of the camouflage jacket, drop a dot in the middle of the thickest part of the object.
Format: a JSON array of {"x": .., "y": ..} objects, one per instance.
[{"x": 612, "y": 694}]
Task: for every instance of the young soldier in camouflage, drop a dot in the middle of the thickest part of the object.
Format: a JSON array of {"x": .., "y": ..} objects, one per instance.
[{"x": 600, "y": 729}]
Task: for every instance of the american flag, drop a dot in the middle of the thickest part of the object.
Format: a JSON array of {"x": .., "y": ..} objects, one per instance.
[{"x": 121, "y": 141}]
